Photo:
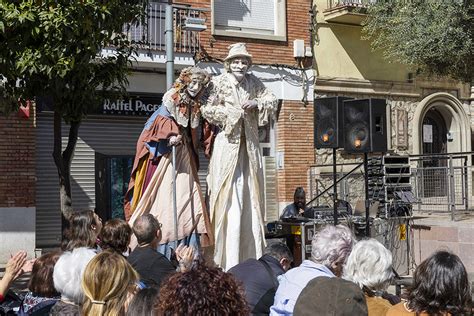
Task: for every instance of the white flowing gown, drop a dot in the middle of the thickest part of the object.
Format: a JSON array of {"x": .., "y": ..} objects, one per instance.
[{"x": 235, "y": 179}]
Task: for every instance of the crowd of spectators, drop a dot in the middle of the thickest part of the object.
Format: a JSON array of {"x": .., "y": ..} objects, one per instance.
[{"x": 95, "y": 273}]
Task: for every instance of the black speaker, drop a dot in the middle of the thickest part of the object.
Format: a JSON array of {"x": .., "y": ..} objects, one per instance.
[
  {"x": 328, "y": 122},
  {"x": 365, "y": 126}
]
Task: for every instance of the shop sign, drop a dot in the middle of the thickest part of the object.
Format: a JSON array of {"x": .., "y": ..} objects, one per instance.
[{"x": 133, "y": 105}]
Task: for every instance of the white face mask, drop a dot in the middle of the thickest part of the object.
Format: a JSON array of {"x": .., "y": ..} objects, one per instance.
[
  {"x": 239, "y": 67},
  {"x": 194, "y": 87}
]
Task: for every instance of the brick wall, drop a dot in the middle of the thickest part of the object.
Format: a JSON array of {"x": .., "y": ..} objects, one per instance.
[
  {"x": 295, "y": 134},
  {"x": 294, "y": 137},
  {"x": 17, "y": 161},
  {"x": 262, "y": 51}
]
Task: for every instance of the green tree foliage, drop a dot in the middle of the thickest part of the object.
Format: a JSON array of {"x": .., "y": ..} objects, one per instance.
[
  {"x": 435, "y": 37},
  {"x": 54, "y": 49}
]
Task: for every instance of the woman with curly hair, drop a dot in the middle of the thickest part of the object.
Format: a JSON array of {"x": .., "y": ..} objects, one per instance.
[
  {"x": 202, "y": 291},
  {"x": 109, "y": 283},
  {"x": 150, "y": 190},
  {"x": 440, "y": 287}
]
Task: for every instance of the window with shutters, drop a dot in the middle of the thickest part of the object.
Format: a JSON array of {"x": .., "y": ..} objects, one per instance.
[{"x": 264, "y": 19}]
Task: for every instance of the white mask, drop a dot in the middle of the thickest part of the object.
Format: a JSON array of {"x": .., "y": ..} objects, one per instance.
[
  {"x": 194, "y": 87},
  {"x": 239, "y": 67}
]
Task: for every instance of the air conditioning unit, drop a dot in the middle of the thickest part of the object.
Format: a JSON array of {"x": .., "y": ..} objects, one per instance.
[{"x": 298, "y": 48}]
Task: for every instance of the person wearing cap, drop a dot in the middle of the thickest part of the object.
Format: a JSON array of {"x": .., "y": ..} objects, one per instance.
[
  {"x": 330, "y": 248},
  {"x": 238, "y": 103},
  {"x": 331, "y": 296}
]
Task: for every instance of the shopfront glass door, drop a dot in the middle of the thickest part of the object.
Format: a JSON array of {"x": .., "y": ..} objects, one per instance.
[{"x": 112, "y": 177}]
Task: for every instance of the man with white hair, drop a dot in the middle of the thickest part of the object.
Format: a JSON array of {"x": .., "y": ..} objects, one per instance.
[
  {"x": 330, "y": 248},
  {"x": 370, "y": 266},
  {"x": 67, "y": 277},
  {"x": 238, "y": 104}
]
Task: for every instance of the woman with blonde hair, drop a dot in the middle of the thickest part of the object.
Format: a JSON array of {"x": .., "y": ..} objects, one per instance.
[{"x": 109, "y": 283}]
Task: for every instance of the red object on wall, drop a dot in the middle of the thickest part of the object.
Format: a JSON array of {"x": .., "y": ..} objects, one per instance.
[{"x": 24, "y": 109}]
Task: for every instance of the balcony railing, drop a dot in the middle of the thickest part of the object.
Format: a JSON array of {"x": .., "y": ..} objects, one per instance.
[
  {"x": 151, "y": 34},
  {"x": 350, "y": 3},
  {"x": 352, "y": 12}
]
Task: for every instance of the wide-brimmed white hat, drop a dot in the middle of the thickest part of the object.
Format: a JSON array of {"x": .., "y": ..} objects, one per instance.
[{"x": 238, "y": 50}]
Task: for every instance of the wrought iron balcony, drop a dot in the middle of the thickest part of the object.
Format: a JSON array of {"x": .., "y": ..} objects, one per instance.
[
  {"x": 151, "y": 34},
  {"x": 347, "y": 11},
  {"x": 353, "y": 3}
]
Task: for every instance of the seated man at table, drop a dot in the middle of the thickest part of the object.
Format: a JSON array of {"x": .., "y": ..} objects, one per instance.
[{"x": 298, "y": 207}]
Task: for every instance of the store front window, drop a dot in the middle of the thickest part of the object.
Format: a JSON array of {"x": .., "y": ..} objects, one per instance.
[{"x": 112, "y": 177}]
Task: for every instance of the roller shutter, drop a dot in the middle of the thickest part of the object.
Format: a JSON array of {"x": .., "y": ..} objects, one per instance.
[
  {"x": 271, "y": 199},
  {"x": 105, "y": 135}
]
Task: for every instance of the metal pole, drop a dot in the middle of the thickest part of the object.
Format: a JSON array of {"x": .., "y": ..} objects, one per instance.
[
  {"x": 334, "y": 178},
  {"x": 175, "y": 210},
  {"x": 420, "y": 187},
  {"x": 465, "y": 185},
  {"x": 169, "y": 36},
  {"x": 366, "y": 178},
  {"x": 407, "y": 232},
  {"x": 329, "y": 188},
  {"x": 303, "y": 242},
  {"x": 311, "y": 179},
  {"x": 452, "y": 196}
]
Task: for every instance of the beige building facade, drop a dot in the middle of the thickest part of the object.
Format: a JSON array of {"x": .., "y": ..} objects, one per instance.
[
  {"x": 346, "y": 65},
  {"x": 425, "y": 116}
]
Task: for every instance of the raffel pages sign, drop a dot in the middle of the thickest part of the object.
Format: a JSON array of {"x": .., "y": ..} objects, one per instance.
[{"x": 132, "y": 105}]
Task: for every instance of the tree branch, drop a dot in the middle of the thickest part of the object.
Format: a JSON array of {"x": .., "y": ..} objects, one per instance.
[{"x": 72, "y": 141}]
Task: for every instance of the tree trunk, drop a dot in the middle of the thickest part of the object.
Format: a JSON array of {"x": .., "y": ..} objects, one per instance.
[{"x": 62, "y": 160}]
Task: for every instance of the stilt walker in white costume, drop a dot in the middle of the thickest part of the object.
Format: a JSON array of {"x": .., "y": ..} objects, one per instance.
[{"x": 238, "y": 104}]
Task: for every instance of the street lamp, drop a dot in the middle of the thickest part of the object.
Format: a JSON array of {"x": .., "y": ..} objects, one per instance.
[{"x": 190, "y": 24}]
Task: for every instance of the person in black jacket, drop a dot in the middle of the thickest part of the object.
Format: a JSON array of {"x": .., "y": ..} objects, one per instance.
[
  {"x": 298, "y": 207},
  {"x": 153, "y": 266},
  {"x": 259, "y": 277}
]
